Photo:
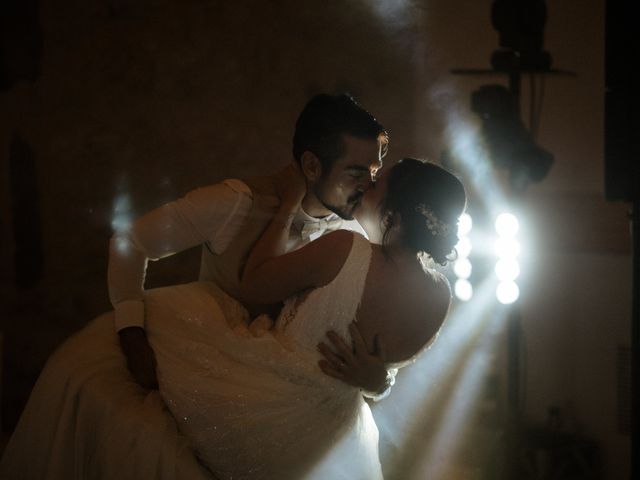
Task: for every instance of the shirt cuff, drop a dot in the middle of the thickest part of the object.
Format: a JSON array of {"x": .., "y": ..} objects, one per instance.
[
  {"x": 129, "y": 313},
  {"x": 391, "y": 380}
]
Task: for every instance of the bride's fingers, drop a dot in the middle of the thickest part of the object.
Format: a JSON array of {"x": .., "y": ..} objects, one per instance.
[
  {"x": 329, "y": 370},
  {"x": 381, "y": 349},
  {"x": 343, "y": 349},
  {"x": 331, "y": 358},
  {"x": 359, "y": 344}
]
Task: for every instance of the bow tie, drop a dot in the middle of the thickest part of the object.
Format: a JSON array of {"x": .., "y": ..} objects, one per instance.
[{"x": 317, "y": 227}]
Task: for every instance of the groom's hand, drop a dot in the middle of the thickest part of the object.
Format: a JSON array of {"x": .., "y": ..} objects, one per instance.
[
  {"x": 356, "y": 365},
  {"x": 140, "y": 357}
]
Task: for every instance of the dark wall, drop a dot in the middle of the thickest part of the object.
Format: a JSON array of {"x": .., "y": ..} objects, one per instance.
[{"x": 111, "y": 108}]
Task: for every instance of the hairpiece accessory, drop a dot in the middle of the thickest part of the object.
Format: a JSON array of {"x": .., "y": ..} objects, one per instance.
[{"x": 434, "y": 224}]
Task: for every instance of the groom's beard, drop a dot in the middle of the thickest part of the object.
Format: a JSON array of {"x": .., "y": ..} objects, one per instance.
[{"x": 343, "y": 211}]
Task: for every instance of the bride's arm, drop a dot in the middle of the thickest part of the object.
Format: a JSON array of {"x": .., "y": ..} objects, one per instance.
[{"x": 270, "y": 274}]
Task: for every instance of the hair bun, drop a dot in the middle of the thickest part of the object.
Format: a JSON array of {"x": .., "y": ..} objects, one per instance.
[{"x": 429, "y": 200}]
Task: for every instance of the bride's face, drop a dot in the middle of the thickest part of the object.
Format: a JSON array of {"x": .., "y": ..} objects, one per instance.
[{"x": 368, "y": 213}]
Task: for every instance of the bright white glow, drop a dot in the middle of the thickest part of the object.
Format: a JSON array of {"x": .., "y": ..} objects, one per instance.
[
  {"x": 507, "y": 247},
  {"x": 462, "y": 268},
  {"x": 450, "y": 429},
  {"x": 507, "y": 225},
  {"x": 464, "y": 224},
  {"x": 452, "y": 362},
  {"x": 463, "y": 247},
  {"x": 393, "y": 11},
  {"x": 122, "y": 245},
  {"x": 507, "y": 292},
  {"x": 467, "y": 149},
  {"x": 121, "y": 219},
  {"x": 507, "y": 269},
  {"x": 463, "y": 290}
]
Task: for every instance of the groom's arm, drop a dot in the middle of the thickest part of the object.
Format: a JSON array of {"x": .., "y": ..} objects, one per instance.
[{"x": 211, "y": 215}]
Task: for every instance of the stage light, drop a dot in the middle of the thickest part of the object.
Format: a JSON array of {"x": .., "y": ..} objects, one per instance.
[
  {"x": 462, "y": 268},
  {"x": 507, "y": 292},
  {"x": 464, "y": 225},
  {"x": 507, "y": 225},
  {"x": 507, "y": 269},
  {"x": 463, "y": 247},
  {"x": 463, "y": 289},
  {"x": 507, "y": 247}
]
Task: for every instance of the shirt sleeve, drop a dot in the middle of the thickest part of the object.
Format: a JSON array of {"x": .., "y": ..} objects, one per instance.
[
  {"x": 212, "y": 214},
  {"x": 391, "y": 380}
]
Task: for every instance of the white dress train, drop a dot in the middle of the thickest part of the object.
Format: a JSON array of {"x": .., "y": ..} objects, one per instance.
[{"x": 250, "y": 408}]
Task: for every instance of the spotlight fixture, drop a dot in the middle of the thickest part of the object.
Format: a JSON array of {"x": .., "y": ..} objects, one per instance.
[
  {"x": 520, "y": 24},
  {"x": 509, "y": 143}
]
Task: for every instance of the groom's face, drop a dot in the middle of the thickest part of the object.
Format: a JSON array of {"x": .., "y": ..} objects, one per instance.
[{"x": 342, "y": 187}]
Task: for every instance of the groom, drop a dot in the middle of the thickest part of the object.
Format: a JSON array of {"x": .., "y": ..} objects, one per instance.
[{"x": 339, "y": 147}]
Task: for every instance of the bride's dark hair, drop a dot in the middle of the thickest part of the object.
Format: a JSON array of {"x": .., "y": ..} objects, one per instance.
[{"x": 428, "y": 200}]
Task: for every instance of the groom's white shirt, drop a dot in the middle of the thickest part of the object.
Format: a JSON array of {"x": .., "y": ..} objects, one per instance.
[{"x": 211, "y": 215}]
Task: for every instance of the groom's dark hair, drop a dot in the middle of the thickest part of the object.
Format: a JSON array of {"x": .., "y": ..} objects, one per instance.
[{"x": 323, "y": 121}]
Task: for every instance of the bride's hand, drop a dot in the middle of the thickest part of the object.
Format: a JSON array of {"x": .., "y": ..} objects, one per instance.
[
  {"x": 356, "y": 366},
  {"x": 291, "y": 185}
]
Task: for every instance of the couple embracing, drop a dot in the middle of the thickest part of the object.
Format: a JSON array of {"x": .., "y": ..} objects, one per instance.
[{"x": 330, "y": 246}]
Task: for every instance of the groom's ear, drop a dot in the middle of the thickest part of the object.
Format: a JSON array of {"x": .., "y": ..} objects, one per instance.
[{"x": 311, "y": 166}]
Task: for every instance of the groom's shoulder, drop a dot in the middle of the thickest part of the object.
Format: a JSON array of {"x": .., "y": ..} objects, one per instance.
[{"x": 262, "y": 185}]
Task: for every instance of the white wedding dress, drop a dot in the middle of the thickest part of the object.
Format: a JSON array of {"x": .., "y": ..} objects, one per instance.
[{"x": 254, "y": 408}]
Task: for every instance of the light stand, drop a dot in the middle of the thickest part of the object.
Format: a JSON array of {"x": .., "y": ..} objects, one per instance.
[{"x": 520, "y": 24}]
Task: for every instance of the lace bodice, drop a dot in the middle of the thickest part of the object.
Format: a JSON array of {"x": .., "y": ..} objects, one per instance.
[{"x": 306, "y": 318}]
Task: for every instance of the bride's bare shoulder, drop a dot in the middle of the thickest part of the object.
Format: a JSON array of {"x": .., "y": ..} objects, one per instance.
[
  {"x": 439, "y": 283},
  {"x": 347, "y": 238},
  {"x": 424, "y": 315},
  {"x": 437, "y": 300}
]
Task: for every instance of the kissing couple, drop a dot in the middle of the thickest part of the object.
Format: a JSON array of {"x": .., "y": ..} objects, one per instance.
[{"x": 316, "y": 284}]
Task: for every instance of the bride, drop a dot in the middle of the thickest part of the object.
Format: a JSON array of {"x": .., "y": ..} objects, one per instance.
[{"x": 255, "y": 407}]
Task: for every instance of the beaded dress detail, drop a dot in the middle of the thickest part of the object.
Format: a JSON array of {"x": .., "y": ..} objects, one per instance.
[
  {"x": 261, "y": 408},
  {"x": 230, "y": 405}
]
